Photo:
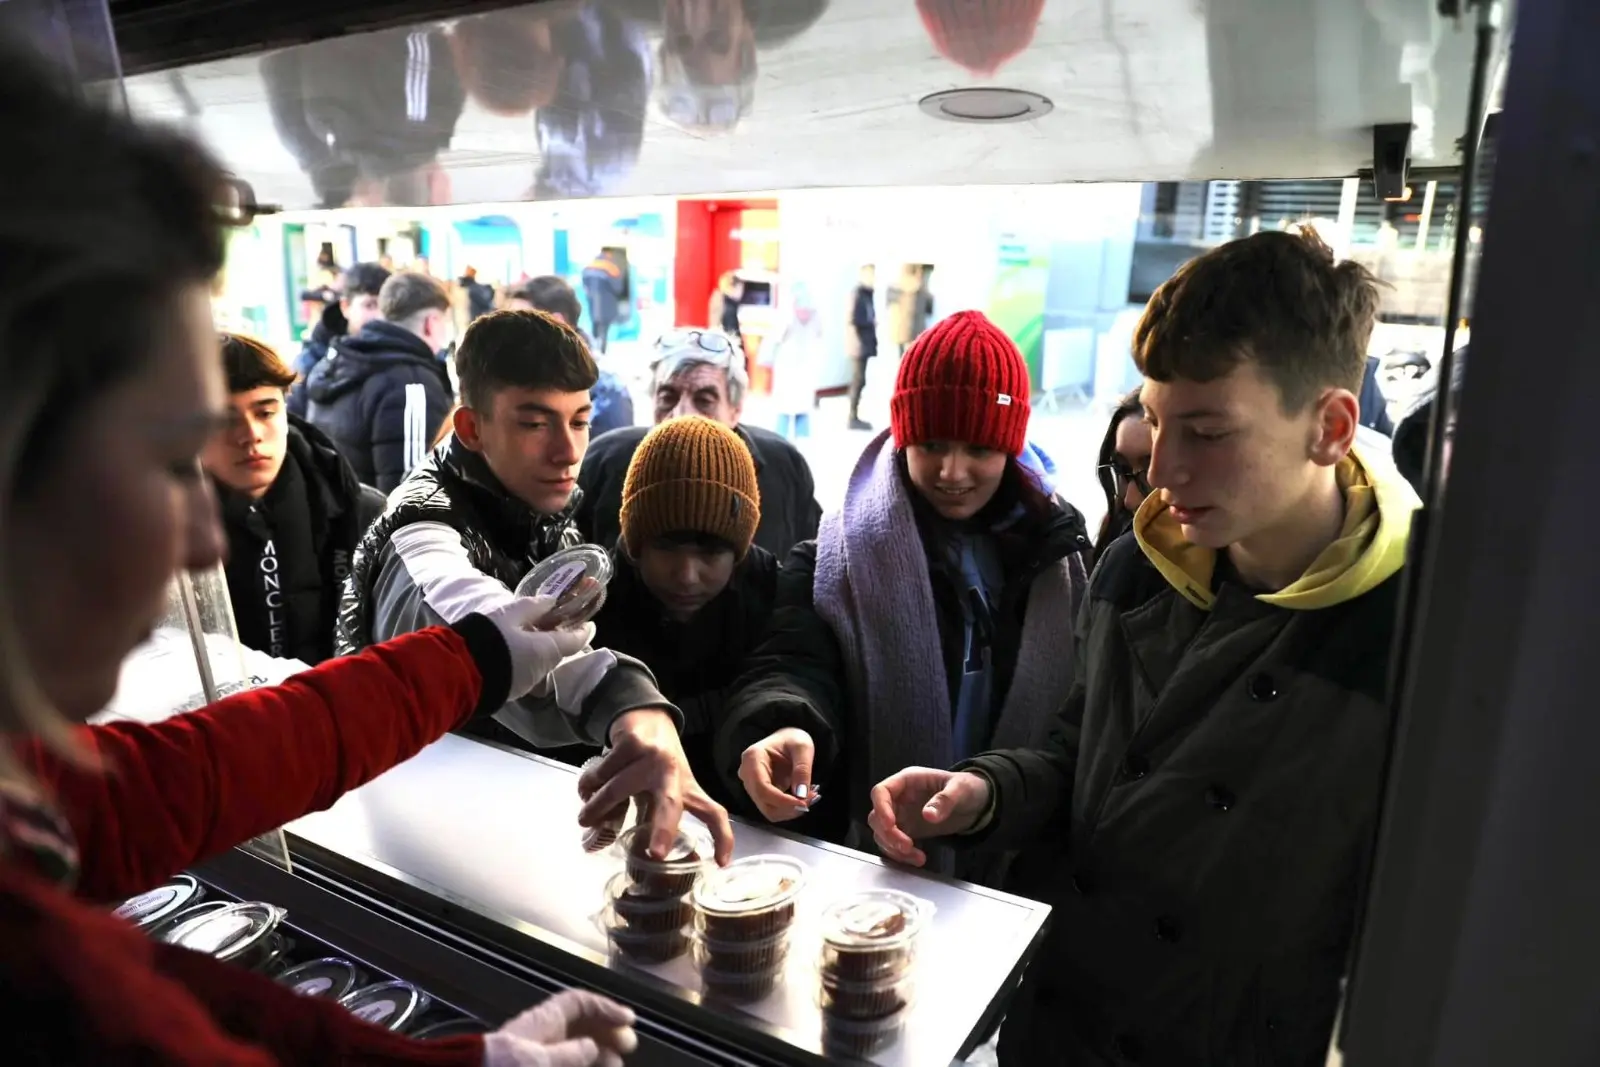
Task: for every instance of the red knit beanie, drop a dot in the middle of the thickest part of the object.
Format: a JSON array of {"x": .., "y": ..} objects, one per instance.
[
  {"x": 963, "y": 380},
  {"x": 981, "y": 35}
]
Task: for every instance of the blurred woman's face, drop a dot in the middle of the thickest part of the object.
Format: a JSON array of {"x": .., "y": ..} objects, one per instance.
[
  {"x": 957, "y": 478},
  {"x": 121, "y": 507},
  {"x": 1133, "y": 456}
]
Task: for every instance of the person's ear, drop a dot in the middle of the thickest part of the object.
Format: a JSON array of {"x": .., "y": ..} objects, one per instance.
[
  {"x": 1337, "y": 414},
  {"x": 468, "y": 427}
]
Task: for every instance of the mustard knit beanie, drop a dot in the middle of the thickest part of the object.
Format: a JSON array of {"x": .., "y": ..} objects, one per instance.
[{"x": 692, "y": 475}]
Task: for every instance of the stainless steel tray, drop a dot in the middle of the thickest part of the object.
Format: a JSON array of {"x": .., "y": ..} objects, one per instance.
[{"x": 496, "y": 832}]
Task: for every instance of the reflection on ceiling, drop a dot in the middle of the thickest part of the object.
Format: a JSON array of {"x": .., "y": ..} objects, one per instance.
[{"x": 633, "y": 97}]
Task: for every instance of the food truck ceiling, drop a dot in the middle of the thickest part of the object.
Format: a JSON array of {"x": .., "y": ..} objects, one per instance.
[{"x": 599, "y": 98}]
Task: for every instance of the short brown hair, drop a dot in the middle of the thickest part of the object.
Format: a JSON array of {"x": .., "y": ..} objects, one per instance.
[
  {"x": 550, "y": 293},
  {"x": 526, "y": 349},
  {"x": 410, "y": 293},
  {"x": 1275, "y": 299},
  {"x": 249, "y": 364}
]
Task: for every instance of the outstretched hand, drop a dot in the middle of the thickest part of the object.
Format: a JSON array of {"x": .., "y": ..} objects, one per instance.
[
  {"x": 919, "y": 803},
  {"x": 647, "y": 760}
]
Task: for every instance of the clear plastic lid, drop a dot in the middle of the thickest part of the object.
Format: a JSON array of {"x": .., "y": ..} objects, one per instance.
[
  {"x": 576, "y": 577},
  {"x": 228, "y": 932},
  {"x": 330, "y": 978},
  {"x": 750, "y": 886},
  {"x": 875, "y": 919},
  {"x": 393, "y": 1005},
  {"x": 689, "y": 852}
]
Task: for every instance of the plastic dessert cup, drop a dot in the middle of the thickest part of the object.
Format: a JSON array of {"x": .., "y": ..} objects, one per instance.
[
  {"x": 750, "y": 900},
  {"x": 673, "y": 876},
  {"x": 872, "y": 935}
]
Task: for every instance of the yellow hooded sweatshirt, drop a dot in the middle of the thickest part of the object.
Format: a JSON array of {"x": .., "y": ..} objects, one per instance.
[{"x": 1371, "y": 545}]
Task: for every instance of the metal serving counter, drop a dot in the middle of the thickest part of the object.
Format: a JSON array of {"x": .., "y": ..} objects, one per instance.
[{"x": 490, "y": 837}]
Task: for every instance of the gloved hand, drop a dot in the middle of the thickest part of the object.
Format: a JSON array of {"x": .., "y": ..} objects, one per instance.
[
  {"x": 571, "y": 1029},
  {"x": 535, "y": 652}
]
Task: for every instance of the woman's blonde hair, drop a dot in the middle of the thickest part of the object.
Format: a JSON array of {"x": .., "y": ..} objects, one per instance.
[{"x": 103, "y": 212}]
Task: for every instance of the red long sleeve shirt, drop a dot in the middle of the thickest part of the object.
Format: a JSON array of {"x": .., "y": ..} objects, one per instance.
[{"x": 78, "y": 986}]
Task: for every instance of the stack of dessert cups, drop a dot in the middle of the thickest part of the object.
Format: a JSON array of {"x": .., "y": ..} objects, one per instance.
[
  {"x": 648, "y": 914},
  {"x": 743, "y": 913},
  {"x": 866, "y": 974}
]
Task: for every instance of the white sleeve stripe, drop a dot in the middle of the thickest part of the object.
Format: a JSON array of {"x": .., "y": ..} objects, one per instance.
[
  {"x": 418, "y": 59},
  {"x": 415, "y": 427},
  {"x": 437, "y": 563}
]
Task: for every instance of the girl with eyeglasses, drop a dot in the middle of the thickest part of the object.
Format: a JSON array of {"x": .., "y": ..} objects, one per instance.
[{"x": 1124, "y": 460}]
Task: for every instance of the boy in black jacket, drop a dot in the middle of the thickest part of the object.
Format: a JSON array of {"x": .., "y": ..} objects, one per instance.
[
  {"x": 692, "y": 594},
  {"x": 1200, "y": 814},
  {"x": 291, "y": 506}
]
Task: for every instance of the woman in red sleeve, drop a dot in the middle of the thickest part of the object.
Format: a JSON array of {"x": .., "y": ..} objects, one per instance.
[{"x": 110, "y": 382}]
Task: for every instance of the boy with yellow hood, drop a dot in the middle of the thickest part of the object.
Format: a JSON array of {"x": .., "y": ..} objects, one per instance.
[{"x": 1200, "y": 814}]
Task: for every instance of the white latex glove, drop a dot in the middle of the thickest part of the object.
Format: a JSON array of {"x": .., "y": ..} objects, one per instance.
[
  {"x": 535, "y": 652},
  {"x": 571, "y": 1029}
]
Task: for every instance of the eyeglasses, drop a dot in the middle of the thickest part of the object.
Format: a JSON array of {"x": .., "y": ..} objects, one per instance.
[
  {"x": 1121, "y": 474},
  {"x": 676, "y": 345}
]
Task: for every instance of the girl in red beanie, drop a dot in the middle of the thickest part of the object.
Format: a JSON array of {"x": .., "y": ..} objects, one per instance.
[{"x": 932, "y": 618}]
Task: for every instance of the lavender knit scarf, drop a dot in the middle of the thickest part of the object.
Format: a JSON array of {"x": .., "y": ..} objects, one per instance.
[{"x": 872, "y": 589}]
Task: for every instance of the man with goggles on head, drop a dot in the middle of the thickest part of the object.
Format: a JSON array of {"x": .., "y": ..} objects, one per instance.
[{"x": 702, "y": 372}]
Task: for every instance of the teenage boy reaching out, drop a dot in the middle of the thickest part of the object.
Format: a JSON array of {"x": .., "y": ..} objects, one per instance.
[{"x": 1201, "y": 811}]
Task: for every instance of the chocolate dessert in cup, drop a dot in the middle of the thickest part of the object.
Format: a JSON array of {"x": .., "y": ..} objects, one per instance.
[
  {"x": 840, "y": 998},
  {"x": 872, "y": 935},
  {"x": 748, "y": 901},
  {"x": 643, "y": 913},
  {"x": 641, "y": 945},
  {"x": 861, "y": 1037},
  {"x": 741, "y": 977}
]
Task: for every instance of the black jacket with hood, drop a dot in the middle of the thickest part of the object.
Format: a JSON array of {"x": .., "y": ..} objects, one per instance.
[
  {"x": 330, "y": 326},
  {"x": 797, "y": 677},
  {"x": 289, "y": 552},
  {"x": 695, "y": 662},
  {"x": 382, "y": 395},
  {"x": 1200, "y": 815}
]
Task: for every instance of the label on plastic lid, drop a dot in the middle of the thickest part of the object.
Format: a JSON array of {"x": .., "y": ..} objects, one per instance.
[
  {"x": 872, "y": 919},
  {"x": 314, "y": 987},
  {"x": 158, "y": 904},
  {"x": 377, "y": 1011},
  {"x": 145, "y": 903},
  {"x": 561, "y": 581},
  {"x": 213, "y": 937}
]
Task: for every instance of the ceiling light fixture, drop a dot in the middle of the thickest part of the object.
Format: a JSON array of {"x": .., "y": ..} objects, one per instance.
[{"x": 986, "y": 105}]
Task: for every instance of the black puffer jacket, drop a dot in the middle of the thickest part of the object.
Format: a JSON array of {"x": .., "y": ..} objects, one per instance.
[
  {"x": 789, "y": 511},
  {"x": 504, "y": 537},
  {"x": 1199, "y": 820},
  {"x": 330, "y": 326},
  {"x": 290, "y": 551},
  {"x": 381, "y": 395},
  {"x": 797, "y": 676},
  {"x": 697, "y": 662}
]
